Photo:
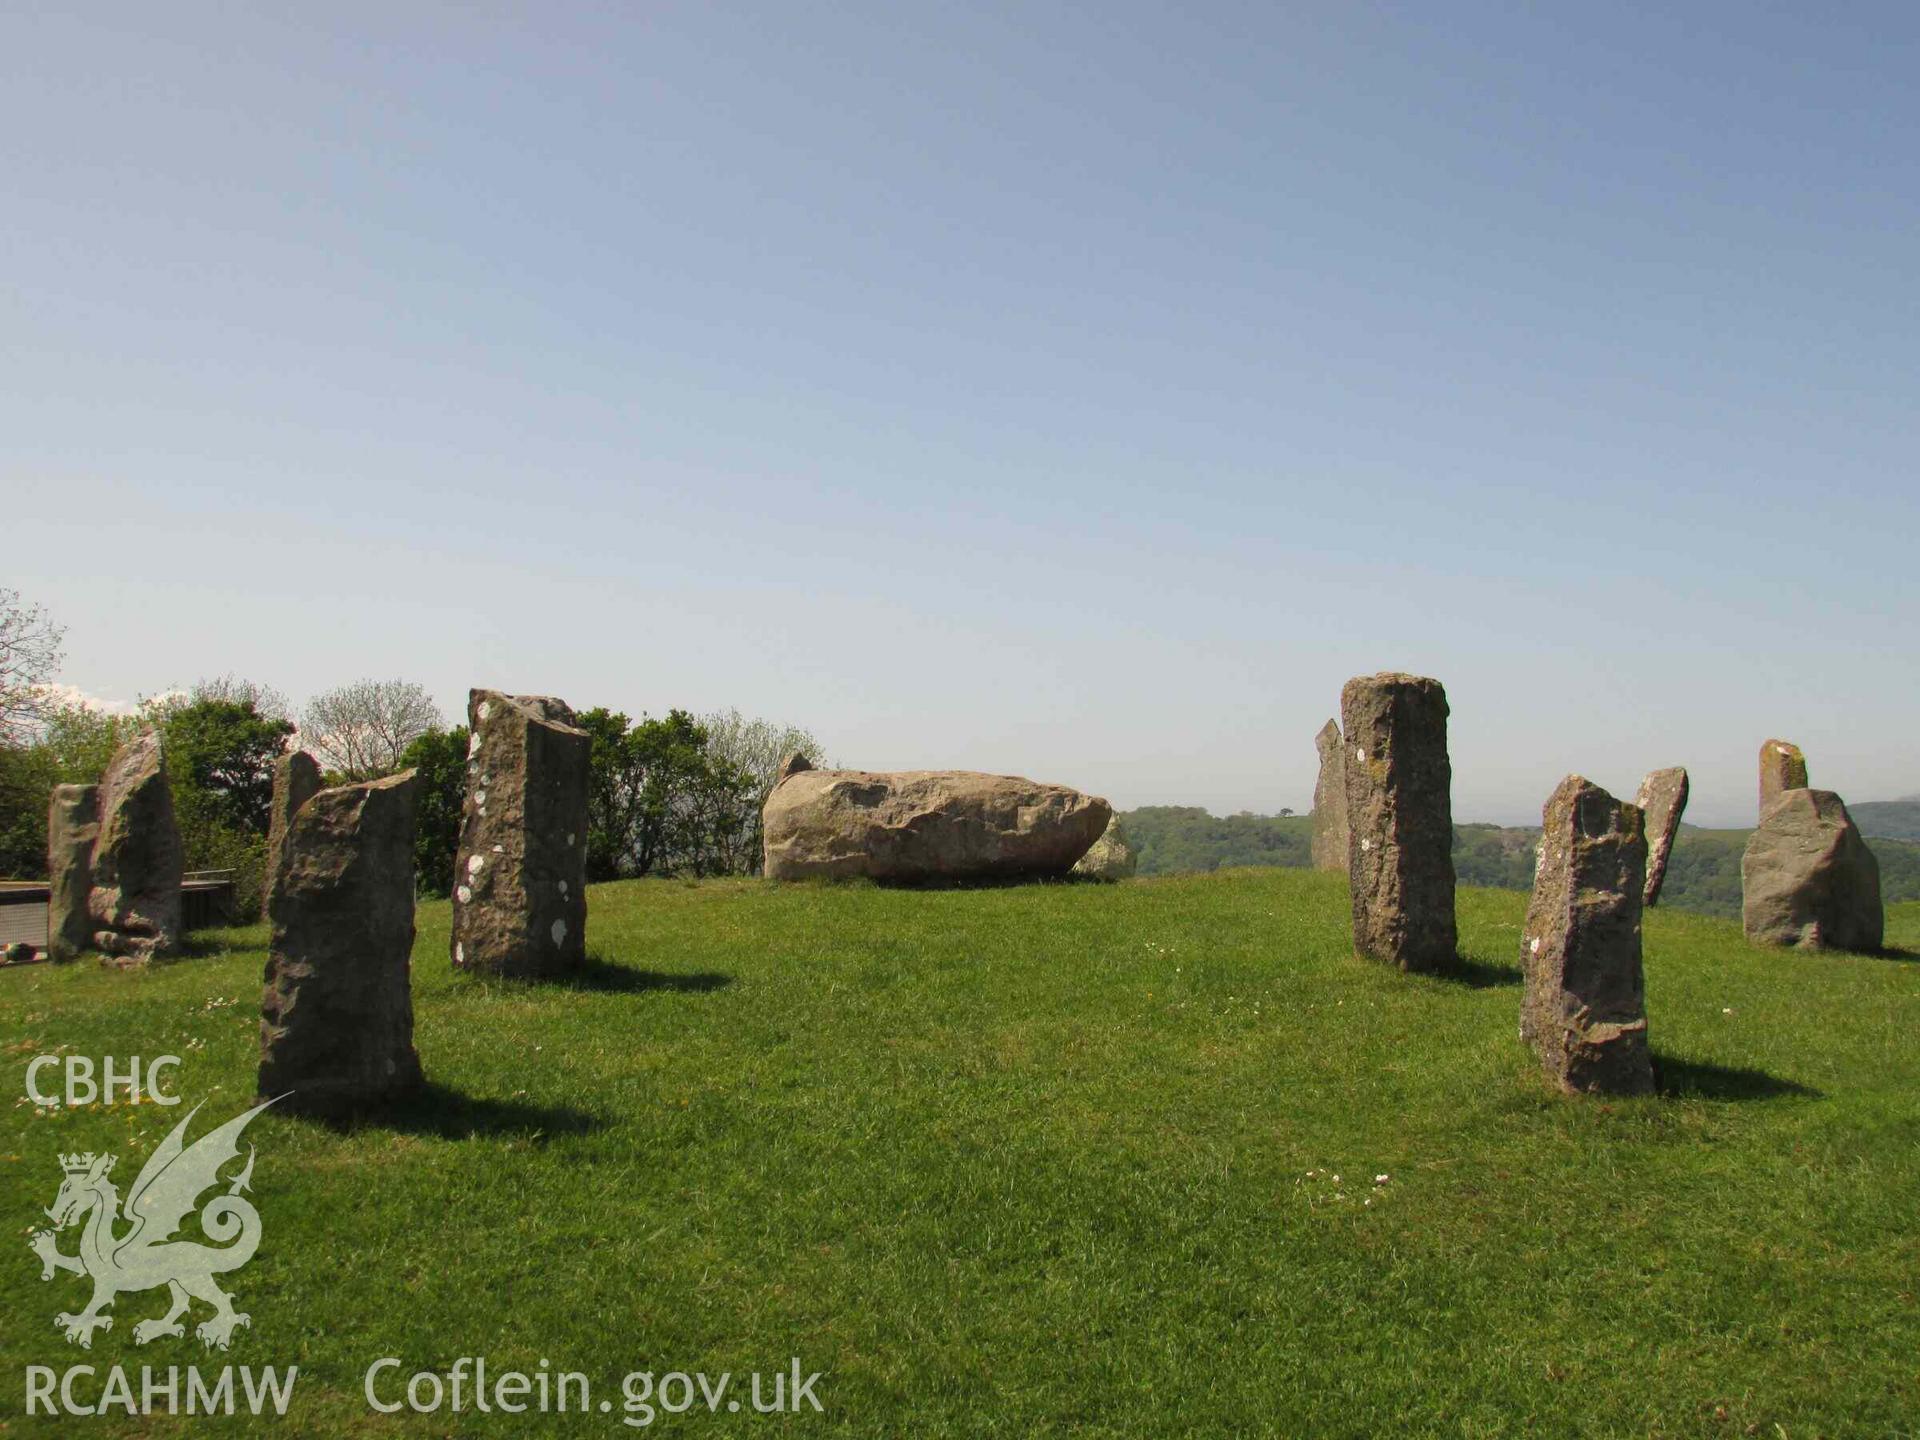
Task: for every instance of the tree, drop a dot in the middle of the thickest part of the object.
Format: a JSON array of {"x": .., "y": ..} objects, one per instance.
[
  {"x": 29, "y": 658},
  {"x": 73, "y": 745},
  {"x": 265, "y": 700},
  {"x": 441, "y": 758},
  {"x": 659, "y": 802},
  {"x": 755, "y": 748},
  {"x": 220, "y": 757},
  {"x": 360, "y": 731}
]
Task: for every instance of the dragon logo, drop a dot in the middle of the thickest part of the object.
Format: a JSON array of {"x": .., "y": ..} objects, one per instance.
[{"x": 146, "y": 1256}]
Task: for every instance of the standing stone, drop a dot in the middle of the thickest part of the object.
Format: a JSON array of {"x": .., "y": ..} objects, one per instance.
[
  {"x": 520, "y": 876},
  {"x": 1400, "y": 820},
  {"x": 1782, "y": 768},
  {"x": 137, "y": 858},
  {"x": 1584, "y": 1008},
  {"x": 336, "y": 1016},
  {"x": 1110, "y": 857},
  {"x": 73, "y": 825},
  {"x": 1808, "y": 879},
  {"x": 1330, "y": 802},
  {"x": 296, "y": 780},
  {"x": 795, "y": 762},
  {"x": 1663, "y": 800}
]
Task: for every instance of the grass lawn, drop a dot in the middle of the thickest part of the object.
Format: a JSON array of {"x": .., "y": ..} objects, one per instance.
[{"x": 1060, "y": 1159}]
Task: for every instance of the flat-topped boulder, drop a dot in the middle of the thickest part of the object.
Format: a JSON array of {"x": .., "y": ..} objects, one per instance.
[
  {"x": 1662, "y": 799},
  {"x": 916, "y": 826},
  {"x": 138, "y": 859},
  {"x": 1807, "y": 878}
]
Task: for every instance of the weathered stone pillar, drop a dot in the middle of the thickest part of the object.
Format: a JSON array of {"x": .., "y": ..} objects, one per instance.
[
  {"x": 73, "y": 825},
  {"x": 1782, "y": 768},
  {"x": 520, "y": 876},
  {"x": 137, "y": 858},
  {"x": 1808, "y": 879},
  {"x": 1584, "y": 1009},
  {"x": 336, "y": 1022},
  {"x": 1400, "y": 820},
  {"x": 1330, "y": 802},
  {"x": 1662, "y": 800},
  {"x": 296, "y": 780}
]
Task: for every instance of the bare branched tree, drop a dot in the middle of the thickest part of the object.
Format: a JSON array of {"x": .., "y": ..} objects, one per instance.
[
  {"x": 236, "y": 690},
  {"x": 29, "y": 658},
  {"x": 361, "y": 730},
  {"x": 757, "y": 746}
]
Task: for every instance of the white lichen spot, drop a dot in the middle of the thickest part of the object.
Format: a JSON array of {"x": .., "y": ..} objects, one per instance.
[
  {"x": 1366, "y": 844},
  {"x": 570, "y": 837},
  {"x": 1360, "y": 753},
  {"x": 473, "y": 746},
  {"x": 486, "y": 709},
  {"x": 1783, "y": 749},
  {"x": 563, "y": 889},
  {"x": 464, "y": 894},
  {"x": 1533, "y": 946},
  {"x": 559, "y": 932},
  {"x": 480, "y": 798},
  {"x": 459, "y": 953},
  {"x": 475, "y": 864},
  {"x": 499, "y": 849}
]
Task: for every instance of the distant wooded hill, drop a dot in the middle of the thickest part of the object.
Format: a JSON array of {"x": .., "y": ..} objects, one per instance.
[
  {"x": 1703, "y": 875},
  {"x": 1887, "y": 819}
]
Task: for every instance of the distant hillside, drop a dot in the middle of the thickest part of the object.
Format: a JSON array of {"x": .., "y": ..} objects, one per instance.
[
  {"x": 1703, "y": 875},
  {"x": 1887, "y": 819}
]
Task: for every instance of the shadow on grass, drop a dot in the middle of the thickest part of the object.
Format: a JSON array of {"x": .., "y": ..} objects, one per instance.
[
  {"x": 448, "y": 1114},
  {"x": 609, "y": 976},
  {"x": 1700, "y": 1079},
  {"x": 1479, "y": 974}
]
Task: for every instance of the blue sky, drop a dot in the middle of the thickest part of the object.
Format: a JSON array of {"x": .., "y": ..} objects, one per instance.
[{"x": 1083, "y": 392}]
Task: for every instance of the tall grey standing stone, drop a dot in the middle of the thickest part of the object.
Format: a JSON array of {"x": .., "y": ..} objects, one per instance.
[
  {"x": 520, "y": 873},
  {"x": 1782, "y": 768},
  {"x": 1400, "y": 820},
  {"x": 73, "y": 825},
  {"x": 1584, "y": 1009},
  {"x": 1111, "y": 857},
  {"x": 296, "y": 780},
  {"x": 336, "y": 1014},
  {"x": 134, "y": 904},
  {"x": 1662, "y": 800},
  {"x": 1329, "y": 848},
  {"x": 1808, "y": 879}
]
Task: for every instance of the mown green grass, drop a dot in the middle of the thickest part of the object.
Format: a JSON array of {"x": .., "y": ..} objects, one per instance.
[{"x": 1054, "y": 1160}]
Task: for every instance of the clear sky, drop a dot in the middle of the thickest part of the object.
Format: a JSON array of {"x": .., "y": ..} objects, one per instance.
[{"x": 1083, "y": 392}]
